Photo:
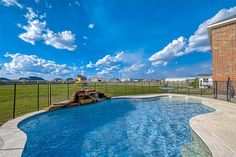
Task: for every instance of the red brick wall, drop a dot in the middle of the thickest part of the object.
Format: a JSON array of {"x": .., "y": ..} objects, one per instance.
[{"x": 224, "y": 53}]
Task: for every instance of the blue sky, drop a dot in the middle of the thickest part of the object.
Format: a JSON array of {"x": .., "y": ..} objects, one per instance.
[{"x": 107, "y": 38}]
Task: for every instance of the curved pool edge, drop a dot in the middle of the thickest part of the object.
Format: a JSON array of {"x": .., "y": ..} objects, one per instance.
[
  {"x": 215, "y": 129},
  {"x": 13, "y": 138}
]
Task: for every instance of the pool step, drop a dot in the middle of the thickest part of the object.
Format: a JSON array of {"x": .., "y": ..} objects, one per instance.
[{"x": 194, "y": 149}]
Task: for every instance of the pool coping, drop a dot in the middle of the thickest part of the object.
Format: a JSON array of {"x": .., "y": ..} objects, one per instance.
[
  {"x": 13, "y": 138},
  {"x": 216, "y": 129}
]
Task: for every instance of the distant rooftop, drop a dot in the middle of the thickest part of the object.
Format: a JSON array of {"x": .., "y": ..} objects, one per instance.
[{"x": 202, "y": 75}]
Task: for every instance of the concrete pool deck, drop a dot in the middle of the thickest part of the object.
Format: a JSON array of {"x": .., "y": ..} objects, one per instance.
[{"x": 216, "y": 129}]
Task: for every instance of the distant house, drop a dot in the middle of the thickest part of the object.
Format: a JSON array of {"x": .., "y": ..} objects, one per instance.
[
  {"x": 180, "y": 79},
  {"x": 114, "y": 80},
  {"x": 125, "y": 79},
  {"x": 35, "y": 78},
  {"x": 71, "y": 80},
  {"x": 2, "y": 79},
  {"x": 80, "y": 79},
  {"x": 23, "y": 79},
  {"x": 31, "y": 79},
  {"x": 205, "y": 80},
  {"x": 97, "y": 79},
  {"x": 58, "y": 80}
]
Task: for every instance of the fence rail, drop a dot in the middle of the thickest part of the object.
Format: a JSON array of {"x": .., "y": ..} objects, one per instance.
[{"x": 17, "y": 99}]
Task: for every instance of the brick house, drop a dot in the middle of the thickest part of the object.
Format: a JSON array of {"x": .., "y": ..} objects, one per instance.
[{"x": 222, "y": 36}]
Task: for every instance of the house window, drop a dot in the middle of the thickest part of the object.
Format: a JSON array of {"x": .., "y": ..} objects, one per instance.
[{"x": 205, "y": 79}]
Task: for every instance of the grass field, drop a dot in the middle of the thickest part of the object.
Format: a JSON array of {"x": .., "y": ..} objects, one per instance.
[{"x": 35, "y": 97}]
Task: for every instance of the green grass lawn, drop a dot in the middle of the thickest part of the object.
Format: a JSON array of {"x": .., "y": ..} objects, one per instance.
[{"x": 27, "y": 95}]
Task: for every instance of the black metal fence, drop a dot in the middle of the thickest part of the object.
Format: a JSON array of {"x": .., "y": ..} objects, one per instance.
[{"x": 17, "y": 99}]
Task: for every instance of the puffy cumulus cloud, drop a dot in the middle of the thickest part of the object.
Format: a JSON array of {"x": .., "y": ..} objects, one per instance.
[
  {"x": 9, "y": 3},
  {"x": 175, "y": 48},
  {"x": 108, "y": 64},
  {"x": 30, "y": 15},
  {"x": 60, "y": 40},
  {"x": 90, "y": 65},
  {"x": 36, "y": 30},
  {"x": 91, "y": 25},
  {"x": 32, "y": 64},
  {"x": 108, "y": 70},
  {"x": 199, "y": 40},
  {"x": 150, "y": 71},
  {"x": 77, "y": 3},
  {"x": 159, "y": 63},
  {"x": 47, "y": 5},
  {"x": 110, "y": 60},
  {"x": 134, "y": 67}
]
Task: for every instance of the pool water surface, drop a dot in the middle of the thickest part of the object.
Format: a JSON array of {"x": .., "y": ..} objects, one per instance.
[{"x": 155, "y": 127}]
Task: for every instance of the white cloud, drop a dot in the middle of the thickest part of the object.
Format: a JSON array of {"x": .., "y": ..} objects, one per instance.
[
  {"x": 159, "y": 63},
  {"x": 150, "y": 71},
  {"x": 90, "y": 65},
  {"x": 33, "y": 65},
  {"x": 108, "y": 70},
  {"x": 199, "y": 40},
  {"x": 175, "y": 48},
  {"x": 36, "y": 30},
  {"x": 91, "y": 25},
  {"x": 30, "y": 15},
  {"x": 134, "y": 67},
  {"x": 61, "y": 40},
  {"x": 110, "y": 60},
  {"x": 9, "y": 3},
  {"x": 37, "y": 1},
  {"x": 77, "y": 3},
  {"x": 49, "y": 6}
]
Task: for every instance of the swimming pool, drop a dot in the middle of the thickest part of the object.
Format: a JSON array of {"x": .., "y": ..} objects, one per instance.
[{"x": 117, "y": 127}]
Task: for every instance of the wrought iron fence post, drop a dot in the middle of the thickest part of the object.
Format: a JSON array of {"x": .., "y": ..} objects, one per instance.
[
  {"x": 115, "y": 88},
  {"x": 126, "y": 88},
  {"x": 142, "y": 87},
  {"x": 134, "y": 89},
  {"x": 38, "y": 96},
  {"x": 201, "y": 87},
  {"x": 228, "y": 90},
  {"x": 48, "y": 94},
  {"x": 105, "y": 87},
  {"x": 157, "y": 87},
  {"x": 149, "y": 87},
  {"x": 68, "y": 90},
  {"x": 14, "y": 102},
  {"x": 215, "y": 89},
  {"x": 167, "y": 86},
  {"x": 177, "y": 87}
]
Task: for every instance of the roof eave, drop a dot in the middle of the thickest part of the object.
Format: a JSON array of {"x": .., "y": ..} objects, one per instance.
[{"x": 219, "y": 24}]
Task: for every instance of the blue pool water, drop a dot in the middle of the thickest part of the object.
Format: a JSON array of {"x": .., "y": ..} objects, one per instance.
[{"x": 119, "y": 127}]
